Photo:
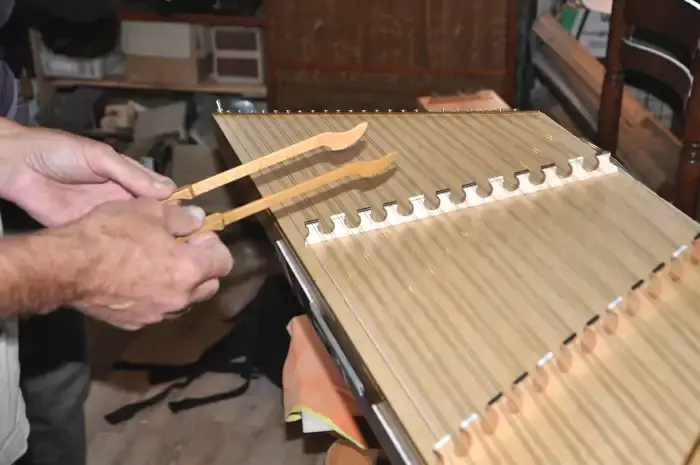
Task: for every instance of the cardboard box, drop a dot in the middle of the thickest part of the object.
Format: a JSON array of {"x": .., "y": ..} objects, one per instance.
[
  {"x": 238, "y": 55},
  {"x": 167, "y": 54},
  {"x": 164, "y": 39},
  {"x": 168, "y": 72}
]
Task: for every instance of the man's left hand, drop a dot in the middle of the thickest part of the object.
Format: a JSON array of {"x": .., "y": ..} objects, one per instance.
[{"x": 58, "y": 177}]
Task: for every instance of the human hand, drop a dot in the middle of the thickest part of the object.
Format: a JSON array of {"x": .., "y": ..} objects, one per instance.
[
  {"x": 57, "y": 177},
  {"x": 136, "y": 271}
]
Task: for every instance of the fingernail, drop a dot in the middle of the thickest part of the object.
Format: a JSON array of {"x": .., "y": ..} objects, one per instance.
[
  {"x": 203, "y": 238},
  {"x": 164, "y": 184},
  {"x": 195, "y": 211}
]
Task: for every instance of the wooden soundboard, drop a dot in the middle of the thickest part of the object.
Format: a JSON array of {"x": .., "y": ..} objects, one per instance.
[{"x": 515, "y": 326}]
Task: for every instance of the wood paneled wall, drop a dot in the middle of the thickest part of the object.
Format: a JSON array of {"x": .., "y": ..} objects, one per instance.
[{"x": 385, "y": 53}]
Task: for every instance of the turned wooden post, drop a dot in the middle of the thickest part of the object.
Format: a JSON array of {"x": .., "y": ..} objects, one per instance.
[
  {"x": 688, "y": 178},
  {"x": 614, "y": 83}
]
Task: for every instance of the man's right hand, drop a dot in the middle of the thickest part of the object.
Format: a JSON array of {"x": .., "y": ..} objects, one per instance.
[{"x": 135, "y": 270}]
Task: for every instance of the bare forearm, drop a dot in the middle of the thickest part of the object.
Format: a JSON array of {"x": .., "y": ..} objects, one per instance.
[
  {"x": 11, "y": 134},
  {"x": 38, "y": 273},
  {"x": 8, "y": 126}
]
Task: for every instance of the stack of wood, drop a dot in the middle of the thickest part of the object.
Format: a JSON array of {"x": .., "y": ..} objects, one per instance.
[
  {"x": 646, "y": 147},
  {"x": 482, "y": 100}
]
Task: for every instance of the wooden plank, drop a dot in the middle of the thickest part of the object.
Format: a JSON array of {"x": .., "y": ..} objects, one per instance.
[
  {"x": 246, "y": 90},
  {"x": 482, "y": 100}
]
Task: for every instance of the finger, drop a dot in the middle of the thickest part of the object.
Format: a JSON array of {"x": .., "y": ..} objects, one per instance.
[
  {"x": 177, "y": 314},
  {"x": 181, "y": 221},
  {"x": 145, "y": 169},
  {"x": 138, "y": 180},
  {"x": 211, "y": 254},
  {"x": 126, "y": 326},
  {"x": 124, "y": 318},
  {"x": 206, "y": 290},
  {"x": 175, "y": 202}
]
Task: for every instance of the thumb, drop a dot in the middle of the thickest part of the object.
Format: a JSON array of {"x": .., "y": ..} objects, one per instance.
[{"x": 131, "y": 175}]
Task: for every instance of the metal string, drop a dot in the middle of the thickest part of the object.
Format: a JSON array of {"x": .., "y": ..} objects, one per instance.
[
  {"x": 438, "y": 359},
  {"x": 630, "y": 205},
  {"x": 449, "y": 426},
  {"x": 378, "y": 347},
  {"x": 384, "y": 233},
  {"x": 408, "y": 228},
  {"x": 398, "y": 353},
  {"x": 370, "y": 285},
  {"x": 376, "y": 292}
]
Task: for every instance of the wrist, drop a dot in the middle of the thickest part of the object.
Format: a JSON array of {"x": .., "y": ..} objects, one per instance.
[
  {"x": 66, "y": 262},
  {"x": 9, "y": 127},
  {"x": 39, "y": 272}
]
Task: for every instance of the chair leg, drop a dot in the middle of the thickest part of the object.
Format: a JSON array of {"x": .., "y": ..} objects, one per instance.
[
  {"x": 688, "y": 179},
  {"x": 610, "y": 110},
  {"x": 614, "y": 82}
]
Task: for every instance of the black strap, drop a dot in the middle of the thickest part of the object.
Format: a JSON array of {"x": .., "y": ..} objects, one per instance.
[
  {"x": 237, "y": 353},
  {"x": 129, "y": 411},
  {"x": 192, "y": 402}
]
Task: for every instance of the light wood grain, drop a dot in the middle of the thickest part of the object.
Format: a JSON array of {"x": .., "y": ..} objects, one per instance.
[
  {"x": 693, "y": 456},
  {"x": 629, "y": 395},
  {"x": 447, "y": 312}
]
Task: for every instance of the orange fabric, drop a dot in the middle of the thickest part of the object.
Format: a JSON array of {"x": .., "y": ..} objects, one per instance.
[
  {"x": 314, "y": 385},
  {"x": 342, "y": 452}
]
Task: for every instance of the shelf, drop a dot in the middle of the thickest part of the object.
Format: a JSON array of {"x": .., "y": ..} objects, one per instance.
[
  {"x": 195, "y": 18},
  {"x": 245, "y": 90}
]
